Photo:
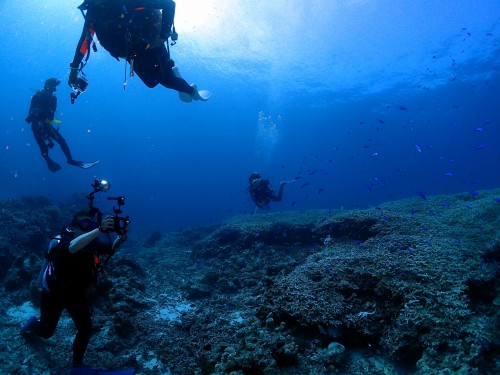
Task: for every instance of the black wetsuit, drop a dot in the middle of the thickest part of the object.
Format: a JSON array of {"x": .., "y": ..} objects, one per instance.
[
  {"x": 68, "y": 278},
  {"x": 262, "y": 192},
  {"x": 128, "y": 29},
  {"x": 41, "y": 115}
]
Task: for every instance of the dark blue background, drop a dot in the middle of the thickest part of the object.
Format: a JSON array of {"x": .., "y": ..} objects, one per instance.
[{"x": 314, "y": 90}]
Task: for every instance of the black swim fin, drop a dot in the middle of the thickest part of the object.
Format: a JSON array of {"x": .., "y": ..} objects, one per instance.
[
  {"x": 84, "y": 370},
  {"x": 53, "y": 166}
]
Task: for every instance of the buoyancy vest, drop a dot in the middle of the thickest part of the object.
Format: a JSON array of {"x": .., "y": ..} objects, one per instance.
[
  {"x": 43, "y": 106},
  {"x": 260, "y": 191},
  {"x": 73, "y": 270},
  {"x": 122, "y": 31}
]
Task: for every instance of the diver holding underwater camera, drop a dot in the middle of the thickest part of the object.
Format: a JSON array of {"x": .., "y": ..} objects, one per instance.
[{"x": 73, "y": 265}]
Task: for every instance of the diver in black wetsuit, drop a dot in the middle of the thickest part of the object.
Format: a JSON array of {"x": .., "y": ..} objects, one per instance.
[
  {"x": 135, "y": 30},
  {"x": 73, "y": 265},
  {"x": 41, "y": 116},
  {"x": 261, "y": 191}
]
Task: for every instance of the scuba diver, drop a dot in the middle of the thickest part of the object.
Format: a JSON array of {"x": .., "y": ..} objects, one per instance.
[
  {"x": 261, "y": 191},
  {"x": 137, "y": 31},
  {"x": 41, "y": 116},
  {"x": 72, "y": 267}
]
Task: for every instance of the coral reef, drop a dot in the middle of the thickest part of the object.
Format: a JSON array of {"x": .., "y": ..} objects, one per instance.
[{"x": 408, "y": 287}]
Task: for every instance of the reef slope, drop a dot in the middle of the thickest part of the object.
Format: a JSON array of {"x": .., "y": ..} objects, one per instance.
[{"x": 408, "y": 287}]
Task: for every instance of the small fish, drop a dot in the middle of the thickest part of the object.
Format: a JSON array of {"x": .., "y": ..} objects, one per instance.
[
  {"x": 497, "y": 200},
  {"x": 444, "y": 204},
  {"x": 403, "y": 108},
  {"x": 479, "y": 146},
  {"x": 479, "y": 130},
  {"x": 304, "y": 185},
  {"x": 374, "y": 154},
  {"x": 381, "y": 121},
  {"x": 321, "y": 190},
  {"x": 449, "y": 174},
  {"x": 474, "y": 193},
  {"x": 418, "y": 148}
]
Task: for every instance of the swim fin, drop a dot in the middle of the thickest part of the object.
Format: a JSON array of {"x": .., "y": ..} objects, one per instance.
[
  {"x": 83, "y": 164},
  {"x": 53, "y": 166},
  {"x": 202, "y": 95},
  {"x": 84, "y": 370},
  {"x": 86, "y": 165}
]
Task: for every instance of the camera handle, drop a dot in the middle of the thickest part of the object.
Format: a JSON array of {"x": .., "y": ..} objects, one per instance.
[{"x": 120, "y": 200}]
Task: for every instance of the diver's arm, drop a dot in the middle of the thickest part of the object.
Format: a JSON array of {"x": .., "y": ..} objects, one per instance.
[
  {"x": 53, "y": 107},
  {"x": 83, "y": 45},
  {"x": 33, "y": 108},
  {"x": 81, "y": 241}
]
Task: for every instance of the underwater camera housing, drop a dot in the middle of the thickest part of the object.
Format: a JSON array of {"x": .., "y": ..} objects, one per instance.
[
  {"x": 120, "y": 222},
  {"x": 79, "y": 86}
]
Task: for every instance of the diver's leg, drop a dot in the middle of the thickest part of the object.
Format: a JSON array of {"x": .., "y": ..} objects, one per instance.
[
  {"x": 44, "y": 149},
  {"x": 51, "y": 309},
  {"x": 79, "y": 310},
  {"x": 56, "y": 136},
  {"x": 155, "y": 67},
  {"x": 38, "y": 134}
]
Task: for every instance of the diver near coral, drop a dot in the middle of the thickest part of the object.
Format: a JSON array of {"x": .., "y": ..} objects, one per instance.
[
  {"x": 137, "y": 31},
  {"x": 41, "y": 116},
  {"x": 73, "y": 264},
  {"x": 262, "y": 192}
]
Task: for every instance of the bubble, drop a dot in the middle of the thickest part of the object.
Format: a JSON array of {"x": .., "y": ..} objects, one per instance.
[{"x": 268, "y": 134}]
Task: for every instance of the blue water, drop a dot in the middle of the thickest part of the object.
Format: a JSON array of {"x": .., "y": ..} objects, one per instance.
[{"x": 365, "y": 101}]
